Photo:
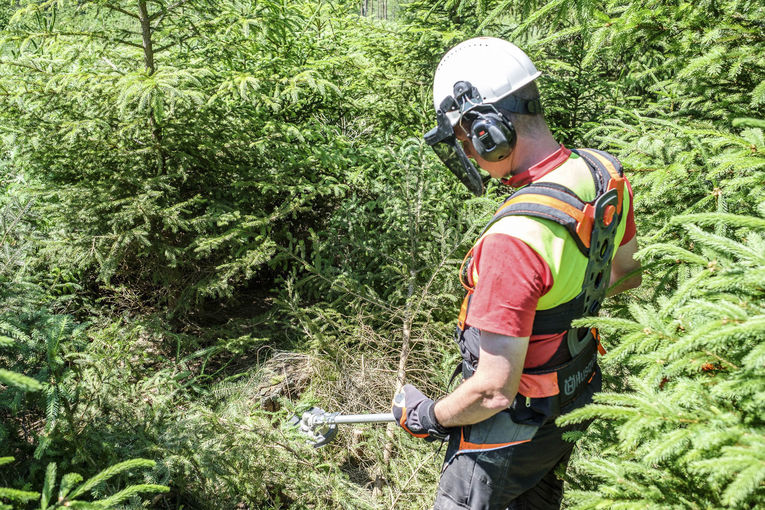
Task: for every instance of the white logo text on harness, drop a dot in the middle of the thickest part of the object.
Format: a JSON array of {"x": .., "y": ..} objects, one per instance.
[{"x": 573, "y": 381}]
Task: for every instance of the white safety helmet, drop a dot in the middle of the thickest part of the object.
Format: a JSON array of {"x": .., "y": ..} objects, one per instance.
[{"x": 495, "y": 67}]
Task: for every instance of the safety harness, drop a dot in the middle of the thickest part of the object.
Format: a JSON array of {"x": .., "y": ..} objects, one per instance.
[{"x": 550, "y": 390}]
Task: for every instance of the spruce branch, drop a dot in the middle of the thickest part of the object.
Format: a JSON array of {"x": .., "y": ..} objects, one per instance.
[
  {"x": 121, "y": 10},
  {"x": 132, "y": 491},
  {"x": 713, "y": 219},
  {"x": 48, "y": 484},
  {"x": 20, "y": 381},
  {"x": 18, "y": 495},
  {"x": 111, "y": 472}
]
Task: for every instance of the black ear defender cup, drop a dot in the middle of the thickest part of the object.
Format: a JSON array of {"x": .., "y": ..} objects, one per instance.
[
  {"x": 491, "y": 131},
  {"x": 493, "y": 136}
]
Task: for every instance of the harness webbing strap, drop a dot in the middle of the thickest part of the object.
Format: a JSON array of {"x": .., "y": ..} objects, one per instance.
[
  {"x": 599, "y": 171},
  {"x": 548, "y": 189},
  {"x": 464, "y": 310},
  {"x": 608, "y": 175},
  {"x": 605, "y": 159},
  {"x": 557, "y": 319},
  {"x": 554, "y": 205},
  {"x": 529, "y": 198},
  {"x": 464, "y": 267}
]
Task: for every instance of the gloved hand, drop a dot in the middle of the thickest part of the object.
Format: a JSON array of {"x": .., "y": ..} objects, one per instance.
[{"x": 414, "y": 413}]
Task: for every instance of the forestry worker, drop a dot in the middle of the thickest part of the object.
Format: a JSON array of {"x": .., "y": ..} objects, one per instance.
[{"x": 547, "y": 257}]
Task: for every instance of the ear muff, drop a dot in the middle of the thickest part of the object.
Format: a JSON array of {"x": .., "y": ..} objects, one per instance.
[{"x": 493, "y": 136}]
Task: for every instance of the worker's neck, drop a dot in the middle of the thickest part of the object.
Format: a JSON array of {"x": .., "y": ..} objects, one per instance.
[{"x": 531, "y": 150}]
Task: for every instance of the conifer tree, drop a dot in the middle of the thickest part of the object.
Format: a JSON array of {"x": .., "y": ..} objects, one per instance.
[
  {"x": 72, "y": 488},
  {"x": 166, "y": 159},
  {"x": 685, "y": 416},
  {"x": 170, "y": 156}
]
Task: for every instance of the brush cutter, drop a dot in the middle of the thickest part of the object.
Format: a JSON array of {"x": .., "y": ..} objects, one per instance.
[{"x": 320, "y": 427}]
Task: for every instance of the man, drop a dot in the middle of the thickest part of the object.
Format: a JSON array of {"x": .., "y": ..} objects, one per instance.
[{"x": 546, "y": 258}]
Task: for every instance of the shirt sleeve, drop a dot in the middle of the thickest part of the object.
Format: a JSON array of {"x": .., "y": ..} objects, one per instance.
[
  {"x": 630, "y": 229},
  {"x": 511, "y": 279}
]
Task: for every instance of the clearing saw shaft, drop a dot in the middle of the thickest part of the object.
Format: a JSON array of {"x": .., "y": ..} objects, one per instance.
[
  {"x": 337, "y": 418},
  {"x": 320, "y": 427}
]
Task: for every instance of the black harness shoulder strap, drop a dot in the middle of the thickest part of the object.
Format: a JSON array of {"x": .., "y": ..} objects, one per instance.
[
  {"x": 549, "y": 201},
  {"x": 592, "y": 225},
  {"x": 555, "y": 202}
]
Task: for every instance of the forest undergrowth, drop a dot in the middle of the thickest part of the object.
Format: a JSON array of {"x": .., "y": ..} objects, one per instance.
[{"x": 215, "y": 215}]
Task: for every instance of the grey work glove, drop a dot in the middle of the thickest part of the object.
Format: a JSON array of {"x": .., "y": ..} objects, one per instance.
[{"x": 414, "y": 413}]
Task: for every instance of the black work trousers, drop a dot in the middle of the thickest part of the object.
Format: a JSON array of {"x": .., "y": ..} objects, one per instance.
[{"x": 518, "y": 477}]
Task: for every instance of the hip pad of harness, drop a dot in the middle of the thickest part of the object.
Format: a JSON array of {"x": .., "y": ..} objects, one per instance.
[
  {"x": 572, "y": 376},
  {"x": 574, "y": 379},
  {"x": 498, "y": 431}
]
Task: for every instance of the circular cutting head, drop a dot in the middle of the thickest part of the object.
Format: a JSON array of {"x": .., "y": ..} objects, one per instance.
[{"x": 314, "y": 427}]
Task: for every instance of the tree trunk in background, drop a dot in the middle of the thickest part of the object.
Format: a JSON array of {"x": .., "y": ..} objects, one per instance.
[
  {"x": 148, "y": 60},
  {"x": 148, "y": 51},
  {"x": 406, "y": 347}
]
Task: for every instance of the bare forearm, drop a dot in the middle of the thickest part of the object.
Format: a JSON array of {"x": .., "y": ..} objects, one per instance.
[
  {"x": 621, "y": 282},
  {"x": 473, "y": 401}
]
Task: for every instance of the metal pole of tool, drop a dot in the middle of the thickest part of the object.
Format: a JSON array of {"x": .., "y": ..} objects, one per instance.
[
  {"x": 359, "y": 418},
  {"x": 320, "y": 427}
]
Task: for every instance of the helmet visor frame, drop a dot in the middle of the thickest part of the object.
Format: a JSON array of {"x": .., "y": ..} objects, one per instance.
[{"x": 449, "y": 150}]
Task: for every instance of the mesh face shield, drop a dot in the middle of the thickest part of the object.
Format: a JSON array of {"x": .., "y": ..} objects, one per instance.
[{"x": 449, "y": 149}]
